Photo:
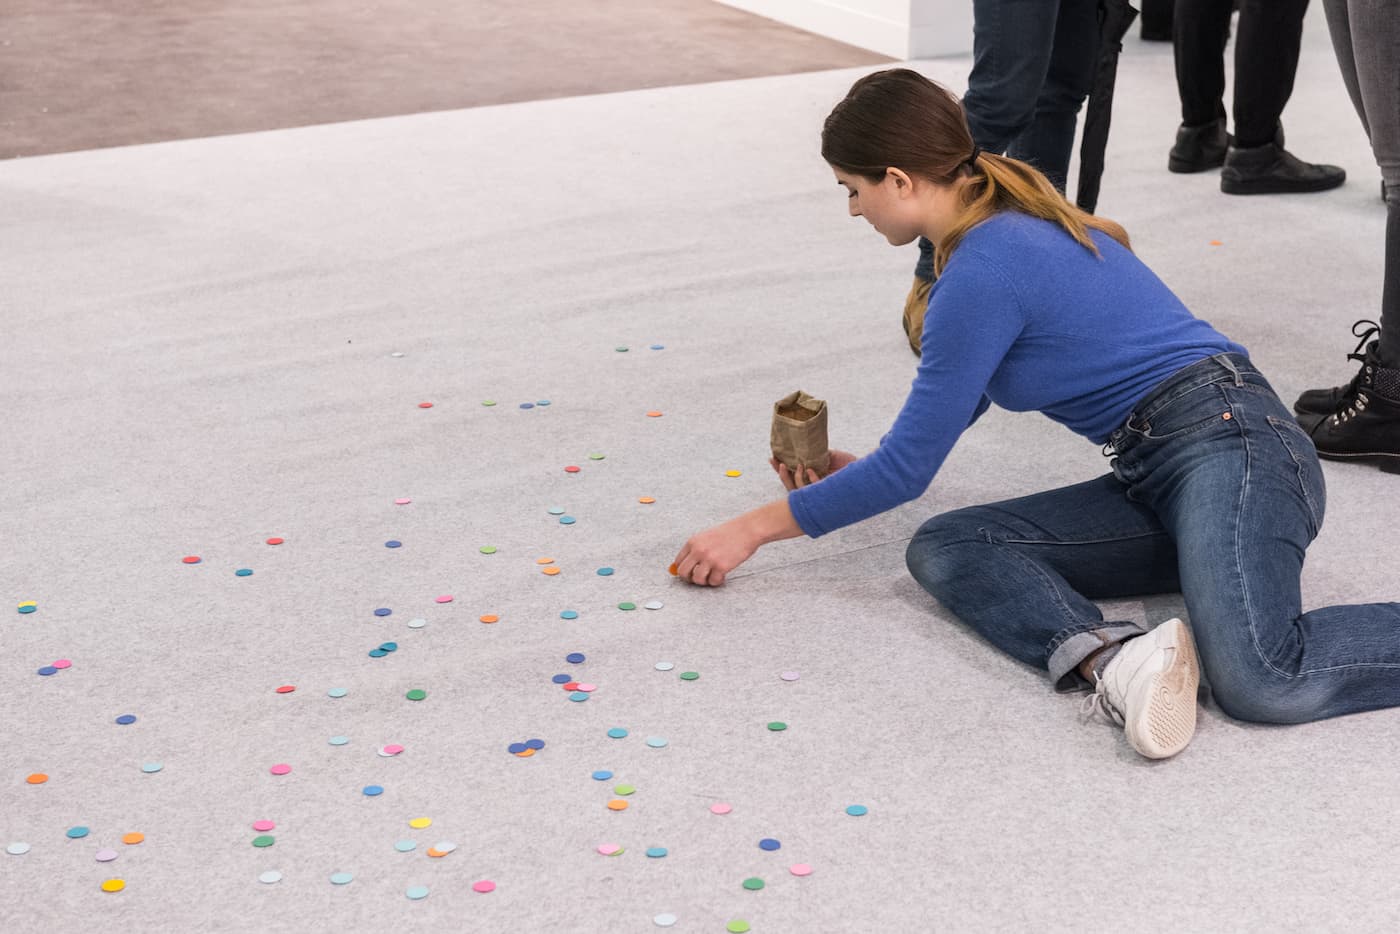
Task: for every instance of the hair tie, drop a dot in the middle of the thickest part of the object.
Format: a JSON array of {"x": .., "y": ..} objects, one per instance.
[{"x": 976, "y": 151}]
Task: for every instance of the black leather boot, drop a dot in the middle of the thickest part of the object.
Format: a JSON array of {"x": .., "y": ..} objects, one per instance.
[
  {"x": 1272, "y": 170},
  {"x": 1367, "y": 427},
  {"x": 1199, "y": 147},
  {"x": 1327, "y": 401}
]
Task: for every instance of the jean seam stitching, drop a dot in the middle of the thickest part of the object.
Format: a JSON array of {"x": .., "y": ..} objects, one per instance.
[{"x": 1239, "y": 562}]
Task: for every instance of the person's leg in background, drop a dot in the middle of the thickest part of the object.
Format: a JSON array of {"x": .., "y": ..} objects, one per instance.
[
  {"x": 1201, "y": 28},
  {"x": 1267, "y": 43},
  {"x": 1032, "y": 67},
  {"x": 1365, "y": 420},
  {"x": 1157, "y": 20}
]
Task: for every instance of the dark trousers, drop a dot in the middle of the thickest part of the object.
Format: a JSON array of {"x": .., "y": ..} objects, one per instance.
[{"x": 1266, "y": 59}]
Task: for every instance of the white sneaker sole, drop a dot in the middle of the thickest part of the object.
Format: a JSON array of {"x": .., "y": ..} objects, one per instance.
[{"x": 1165, "y": 711}]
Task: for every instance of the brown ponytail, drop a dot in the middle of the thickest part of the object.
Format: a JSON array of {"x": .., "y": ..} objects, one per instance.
[{"x": 898, "y": 118}]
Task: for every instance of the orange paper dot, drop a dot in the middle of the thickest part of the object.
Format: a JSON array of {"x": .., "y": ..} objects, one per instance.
[
  {"x": 490, "y": 618},
  {"x": 435, "y": 853},
  {"x": 617, "y": 804},
  {"x": 653, "y": 414},
  {"x": 674, "y": 570},
  {"x": 38, "y": 778},
  {"x": 551, "y": 571},
  {"x": 525, "y": 753},
  {"x": 1217, "y": 243},
  {"x": 544, "y": 560},
  {"x": 131, "y": 839},
  {"x": 647, "y": 500}
]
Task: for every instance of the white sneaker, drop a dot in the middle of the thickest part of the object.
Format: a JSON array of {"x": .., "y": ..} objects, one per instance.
[{"x": 1150, "y": 688}]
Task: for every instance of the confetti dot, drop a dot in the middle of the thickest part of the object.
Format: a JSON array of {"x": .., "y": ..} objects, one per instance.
[
  {"x": 275, "y": 541},
  {"x": 753, "y": 884},
  {"x": 609, "y": 849},
  {"x": 543, "y": 402},
  {"x": 673, "y": 570},
  {"x": 105, "y": 855},
  {"x": 126, "y": 719},
  {"x": 286, "y": 689},
  {"x": 569, "y": 614},
  {"x": 527, "y": 405},
  {"x": 575, "y": 658},
  {"x": 624, "y": 790},
  {"x": 445, "y": 598},
  {"x": 406, "y": 846},
  {"x": 263, "y": 826},
  {"x": 393, "y": 543},
  {"x": 280, "y": 769},
  {"x": 484, "y": 886},
  {"x": 800, "y": 869},
  {"x": 77, "y": 833},
  {"x": 397, "y": 353},
  {"x": 544, "y": 560},
  {"x": 690, "y": 676},
  {"x": 341, "y": 878},
  {"x": 658, "y": 346},
  {"x": 62, "y": 664},
  {"x": 419, "y": 823},
  {"x": 578, "y": 696},
  {"x": 38, "y": 778},
  {"x": 402, "y": 501},
  {"x": 417, "y": 623},
  {"x": 647, "y": 500},
  {"x": 425, "y": 405},
  {"x": 617, "y": 732},
  {"x": 664, "y": 920},
  {"x": 1217, "y": 243},
  {"x": 339, "y": 740},
  {"x": 857, "y": 810},
  {"x": 572, "y": 468},
  {"x": 777, "y": 726},
  {"x": 516, "y": 748},
  {"x": 271, "y": 877},
  {"x": 617, "y": 804},
  {"x": 620, "y": 349},
  {"x": 769, "y": 844},
  {"x": 337, "y": 692},
  {"x": 596, "y": 457},
  {"x": 490, "y": 618},
  {"x": 113, "y": 885},
  {"x": 444, "y": 846},
  {"x": 487, "y": 549},
  {"x": 416, "y": 694},
  {"x": 789, "y": 676},
  {"x": 377, "y": 653},
  {"x": 151, "y": 768},
  {"x": 656, "y": 742},
  {"x": 416, "y": 892},
  {"x": 549, "y": 572},
  {"x": 263, "y": 841},
  {"x": 373, "y": 791},
  {"x": 17, "y": 848},
  {"x": 654, "y": 604},
  {"x": 393, "y": 749},
  {"x": 556, "y": 510},
  {"x": 627, "y": 605},
  {"x": 28, "y": 606},
  {"x": 389, "y": 647},
  {"x": 605, "y": 572},
  {"x": 721, "y": 808},
  {"x": 488, "y": 402},
  {"x": 737, "y": 927},
  {"x": 665, "y": 666},
  {"x": 47, "y": 670},
  {"x": 733, "y": 473},
  {"x": 383, "y": 611},
  {"x": 602, "y": 775},
  {"x": 656, "y": 852},
  {"x": 653, "y": 414},
  {"x": 566, "y": 520},
  {"x": 243, "y": 572},
  {"x": 191, "y": 559}
]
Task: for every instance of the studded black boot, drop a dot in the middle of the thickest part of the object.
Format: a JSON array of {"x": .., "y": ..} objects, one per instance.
[
  {"x": 1366, "y": 427},
  {"x": 1327, "y": 401}
]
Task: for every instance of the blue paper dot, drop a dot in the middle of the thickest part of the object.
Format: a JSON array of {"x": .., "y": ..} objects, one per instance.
[
  {"x": 416, "y": 892},
  {"x": 244, "y": 572},
  {"x": 406, "y": 846},
  {"x": 602, "y": 775},
  {"x": 658, "y": 346},
  {"x": 383, "y": 611},
  {"x": 857, "y": 810},
  {"x": 567, "y": 520},
  {"x": 605, "y": 572},
  {"x": 516, "y": 748},
  {"x": 373, "y": 791},
  {"x": 574, "y": 658},
  {"x": 656, "y": 852},
  {"x": 389, "y": 647},
  {"x": 337, "y": 692},
  {"x": 556, "y": 510},
  {"x": 617, "y": 732},
  {"x": 768, "y": 843},
  {"x": 48, "y": 670},
  {"x": 377, "y": 653},
  {"x": 527, "y": 405},
  {"x": 542, "y": 402},
  {"x": 393, "y": 543},
  {"x": 126, "y": 718},
  {"x": 562, "y": 679},
  {"x": 77, "y": 833},
  {"x": 569, "y": 614},
  {"x": 579, "y": 696},
  {"x": 535, "y": 744}
]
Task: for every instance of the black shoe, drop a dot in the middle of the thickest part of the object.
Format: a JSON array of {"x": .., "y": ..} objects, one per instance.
[
  {"x": 1272, "y": 170},
  {"x": 1199, "y": 147},
  {"x": 1327, "y": 401},
  {"x": 1367, "y": 428}
]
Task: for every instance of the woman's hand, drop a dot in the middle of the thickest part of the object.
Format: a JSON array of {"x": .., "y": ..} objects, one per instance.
[
  {"x": 710, "y": 555},
  {"x": 796, "y": 479}
]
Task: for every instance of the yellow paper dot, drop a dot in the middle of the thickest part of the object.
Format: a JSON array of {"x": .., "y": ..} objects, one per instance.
[
  {"x": 113, "y": 885},
  {"x": 733, "y": 473},
  {"x": 418, "y": 823}
]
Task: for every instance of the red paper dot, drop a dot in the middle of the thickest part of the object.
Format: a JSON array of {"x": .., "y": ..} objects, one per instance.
[
  {"x": 425, "y": 405},
  {"x": 274, "y": 541},
  {"x": 286, "y": 689},
  {"x": 571, "y": 469},
  {"x": 191, "y": 559}
]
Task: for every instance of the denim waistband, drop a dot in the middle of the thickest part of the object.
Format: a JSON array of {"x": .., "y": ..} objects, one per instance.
[{"x": 1222, "y": 367}]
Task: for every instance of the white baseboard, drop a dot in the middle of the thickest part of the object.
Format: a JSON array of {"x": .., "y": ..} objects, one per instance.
[{"x": 901, "y": 29}]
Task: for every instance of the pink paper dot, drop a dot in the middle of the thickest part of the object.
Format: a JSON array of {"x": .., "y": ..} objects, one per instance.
[
  {"x": 588, "y": 688},
  {"x": 280, "y": 769},
  {"x": 445, "y": 598},
  {"x": 402, "y": 502},
  {"x": 63, "y": 663},
  {"x": 608, "y": 849},
  {"x": 264, "y": 825},
  {"x": 393, "y": 749},
  {"x": 485, "y": 885},
  {"x": 721, "y": 808},
  {"x": 105, "y": 856},
  {"x": 801, "y": 869}
]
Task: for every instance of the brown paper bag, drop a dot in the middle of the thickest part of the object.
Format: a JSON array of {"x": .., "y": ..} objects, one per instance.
[{"x": 799, "y": 432}]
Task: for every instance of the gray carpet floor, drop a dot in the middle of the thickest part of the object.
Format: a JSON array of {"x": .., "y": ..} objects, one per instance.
[{"x": 201, "y": 350}]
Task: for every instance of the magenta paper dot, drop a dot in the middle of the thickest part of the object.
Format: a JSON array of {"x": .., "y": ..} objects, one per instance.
[
  {"x": 485, "y": 885},
  {"x": 264, "y": 825},
  {"x": 608, "y": 849},
  {"x": 402, "y": 501},
  {"x": 393, "y": 749},
  {"x": 721, "y": 808},
  {"x": 280, "y": 769},
  {"x": 445, "y": 598},
  {"x": 801, "y": 869},
  {"x": 63, "y": 663}
]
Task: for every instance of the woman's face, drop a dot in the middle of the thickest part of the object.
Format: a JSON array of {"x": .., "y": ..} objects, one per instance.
[{"x": 899, "y": 207}]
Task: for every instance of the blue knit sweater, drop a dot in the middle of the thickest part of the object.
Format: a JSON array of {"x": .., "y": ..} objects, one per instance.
[{"x": 1027, "y": 318}]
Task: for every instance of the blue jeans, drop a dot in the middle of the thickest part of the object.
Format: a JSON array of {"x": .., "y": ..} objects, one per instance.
[
  {"x": 1215, "y": 493},
  {"x": 1033, "y": 65}
]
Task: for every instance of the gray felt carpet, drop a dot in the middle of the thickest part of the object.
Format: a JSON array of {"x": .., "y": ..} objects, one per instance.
[{"x": 201, "y": 350}]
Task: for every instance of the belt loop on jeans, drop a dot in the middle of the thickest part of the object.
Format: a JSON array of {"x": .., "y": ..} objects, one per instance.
[{"x": 1224, "y": 360}]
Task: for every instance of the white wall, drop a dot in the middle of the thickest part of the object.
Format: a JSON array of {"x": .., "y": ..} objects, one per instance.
[{"x": 899, "y": 28}]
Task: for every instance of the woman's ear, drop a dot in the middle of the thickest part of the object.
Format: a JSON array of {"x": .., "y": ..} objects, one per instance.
[{"x": 903, "y": 184}]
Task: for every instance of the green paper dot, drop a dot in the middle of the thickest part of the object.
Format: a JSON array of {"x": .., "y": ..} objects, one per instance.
[
  {"x": 488, "y": 401},
  {"x": 264, "y": 840},
  {"x": 690, "y": 675},
  {"x": 595, "y": 457},
  {"x": 737, "y": 927},
  {"x": 624, "y": 789},
  {"x": 621, "y": 349},
  {"x": 488, "y": 549},
  {"x": 627, "y": 605},
  {"x": 753, "y": 884},
  {"x": 416, "y": 694},
  {"x": 777, "y": 726}
]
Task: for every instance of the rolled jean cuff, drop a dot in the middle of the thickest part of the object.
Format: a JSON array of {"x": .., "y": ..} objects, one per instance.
[{"x": 1066, "y": 656}]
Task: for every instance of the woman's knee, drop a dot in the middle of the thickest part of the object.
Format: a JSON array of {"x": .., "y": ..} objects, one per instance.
[
  {"x": 944, "y": 546},
  {"x": 1264, "y": 697}
]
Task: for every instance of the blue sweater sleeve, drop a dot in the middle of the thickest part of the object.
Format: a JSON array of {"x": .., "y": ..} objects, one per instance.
[{"x": 974, "y": 316}]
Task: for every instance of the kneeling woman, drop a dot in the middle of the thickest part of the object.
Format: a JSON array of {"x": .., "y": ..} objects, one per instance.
[{"x": 1215, "y": 491}]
